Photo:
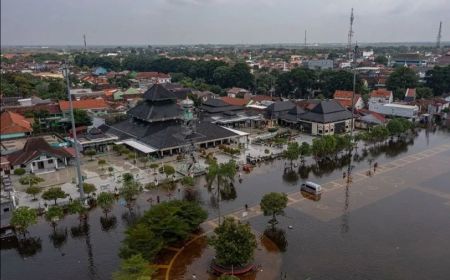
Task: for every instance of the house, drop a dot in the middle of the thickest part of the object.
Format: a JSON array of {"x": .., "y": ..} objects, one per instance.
[
  {"x": 320, "y": 64},
  {"x": 410, "y": 94},
  {"x": 14, "y": 125},
  {"x": 220, "y": 112},
  {"x": 367, "y": 119},
  {"x": 326, "y": 118},
  {"x": 235, "y": 101},
  {"x": 408, "y": 59},
  {"x": 344, "y": 97},
  {"x": 379, "y": 97},
  {"x": 147, "y": 79},
  {"x": 236, "y": 92},
  {"x": 38, "y": 156},
  {"x": 95, "y": 139},
  {"x": 277, "y": 108},
  {"x": 96, "y": 106},
  {"x": 131, "y": 93},
  {"x": 397, "y": 110},
  {"x": 99, "y": 71}
]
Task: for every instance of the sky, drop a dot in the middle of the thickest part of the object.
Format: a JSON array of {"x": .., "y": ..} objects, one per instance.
[{"x": 153, "y": 22}]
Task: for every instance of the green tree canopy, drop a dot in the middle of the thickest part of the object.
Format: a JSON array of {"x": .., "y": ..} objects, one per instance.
[
  {"x": 33, "y": 190},
  {"x": 81, "y": 118},
  {"x": 105, "y": 200},
  {"x": 273, "y": 204},
  {"x": 22, "y": 218},
  {"x": 134, "y": 268},
  {"x": 401, "y": 79},
  {"x": 54, "y": 193},
  {"x": 234, "y": 243},
  {"x": 381, "y": 59},
  {"x": 438, "y": 79},
  {"x": 293, "y": 152},
  {"x": 89, "y": 188},
  {"x": 54, "y": 213},
  {"x": 31, "y": 180}
]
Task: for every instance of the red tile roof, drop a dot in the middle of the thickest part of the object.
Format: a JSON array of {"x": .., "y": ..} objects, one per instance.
[
  {"x": 84, "y": 104},
  {"x": 382, "y": 92},
  {"x": 410, "y": 92},
  {"x": 343, "y": 94},
  {"x": 259, "y": 98},
  {"x": 33, "y": 148},
  {"x": 235, "y": 101},
  {"x": 14, "y": 123}
]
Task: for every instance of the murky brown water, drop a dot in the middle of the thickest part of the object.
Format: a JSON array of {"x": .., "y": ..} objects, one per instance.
[{"x": 401, "y": 236}]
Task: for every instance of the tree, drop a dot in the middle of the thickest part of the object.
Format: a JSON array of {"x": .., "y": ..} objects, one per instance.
[
  {"x": 77, "y": 207},
  {"x": 398, "y": 126},
  {"x": 101, "y": 163},
  {"x": 91, "y": 153},
  {"x": 81, "y": 118},
  {"x": 54, "y": 213},
  {"x": 401, "y": 79},
  {"x": 293, "y": 152},
  {"x": 305, "y": 150},
  {"x": 130, "y": 189},
  {"x": 31, "y": 180},
  {"x": 140, "y": 239},
  {"x": 22, "y": 218},
  {"x": 54, "y": 193},
  {"x": 234, "y": 243},
  {"x": 223, "y": 174},
  {"x": 424, "y": 93},
  {"x": 19, "y": 171},
  {"x": 89, "y": 188},
  {"x": 273, "y": 204},
  {"x": 438, "y": 79},
  {"x": 330, "y": 81},
  {"x": 381, "y": 59},
  {"x": 167, "y": 169},
  {"x": 187, "y": 181},
  {"x": 33, "y": 190},
  {"x": 134, "y": 268},
  {"x": 105, "y": 200}
]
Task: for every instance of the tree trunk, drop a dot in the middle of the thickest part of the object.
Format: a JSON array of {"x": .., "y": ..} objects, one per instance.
[{"x": 55, "y": 200}]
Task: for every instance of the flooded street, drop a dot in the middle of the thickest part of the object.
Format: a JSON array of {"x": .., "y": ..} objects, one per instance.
[{"x": 393, "y": 225}]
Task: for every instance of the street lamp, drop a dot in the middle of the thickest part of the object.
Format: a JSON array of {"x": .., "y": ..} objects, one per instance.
[{"x": 66, "y": 72}]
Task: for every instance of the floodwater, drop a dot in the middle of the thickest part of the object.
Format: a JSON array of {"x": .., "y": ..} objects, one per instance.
[{"x": 402, "y": 234}]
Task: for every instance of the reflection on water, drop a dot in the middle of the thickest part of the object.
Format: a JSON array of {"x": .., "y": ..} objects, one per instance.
[
  {"x": 58, "y": 237},
  {"x": 91, "y": 245},
  {"x": 277, "y": 236},
  {"x": 28, "y": 247},
  {"x": 108, "y": 223}
]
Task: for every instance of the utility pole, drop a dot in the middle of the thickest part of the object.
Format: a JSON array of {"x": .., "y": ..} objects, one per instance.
[
  {"x": 66, "y": 72},
  {"x": 350, "y": 36}
]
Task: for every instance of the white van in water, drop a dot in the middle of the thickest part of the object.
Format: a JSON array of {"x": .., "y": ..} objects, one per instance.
[{"x": 311, "y": 187}]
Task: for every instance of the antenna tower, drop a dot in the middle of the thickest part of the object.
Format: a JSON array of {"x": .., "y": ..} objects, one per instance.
[
  {"x": 439, "y": 36},
  {"x": 305, "y": 38},
  {"x": 350, "y": 36},
  {"x": 84, "y": 39}
]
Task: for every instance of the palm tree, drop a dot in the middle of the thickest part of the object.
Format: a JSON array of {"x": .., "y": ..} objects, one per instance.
[{"x": 223, "y": 174}]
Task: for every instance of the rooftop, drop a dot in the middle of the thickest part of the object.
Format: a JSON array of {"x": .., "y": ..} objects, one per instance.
[
  {"x": 14, "y": 123},
  {"x": 83, "y": 104}
]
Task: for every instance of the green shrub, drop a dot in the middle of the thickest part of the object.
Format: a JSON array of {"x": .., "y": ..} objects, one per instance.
[{"x": 19, "y": 171}]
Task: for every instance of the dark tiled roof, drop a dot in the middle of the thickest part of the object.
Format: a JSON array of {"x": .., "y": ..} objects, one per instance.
[
  {"x": 33, "y": 148},
  {"x": 162, "y": 135},
  {"x": 327, "y": 111},
  {"x": 155, "y": 111},
  {"x": 215, "y": 102},
  {"x": 281, "y": 106},
  {"x": 159, "y": 93}
]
